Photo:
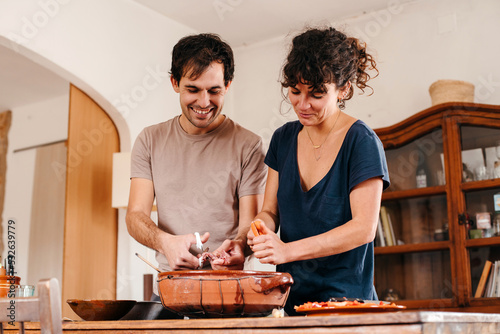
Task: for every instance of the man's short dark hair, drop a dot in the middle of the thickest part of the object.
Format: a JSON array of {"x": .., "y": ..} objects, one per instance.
[{"x": 195, "y": 53}]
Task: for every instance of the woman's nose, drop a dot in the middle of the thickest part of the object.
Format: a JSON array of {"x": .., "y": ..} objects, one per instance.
[{"x": 303, "y": 103}]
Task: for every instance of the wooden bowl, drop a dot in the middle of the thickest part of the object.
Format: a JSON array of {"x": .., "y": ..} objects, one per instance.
[
  {"x": 98, "y": 310},
  {"x": 223, "y": 293}
]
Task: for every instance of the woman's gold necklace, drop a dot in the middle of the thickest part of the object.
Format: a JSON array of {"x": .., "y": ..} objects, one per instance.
[{"x": 317, "y": 148}]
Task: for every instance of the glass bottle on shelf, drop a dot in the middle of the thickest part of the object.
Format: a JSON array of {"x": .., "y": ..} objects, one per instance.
[
  {"x": 467, "y": 173},
  {"x": 496, "y": 165},
  {"x": 496, "y": 225},
  {"x": 496, "y": 219},
  {"x": 421, "y": 176}
]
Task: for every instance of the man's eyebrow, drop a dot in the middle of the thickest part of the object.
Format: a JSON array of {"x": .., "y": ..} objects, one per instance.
[{"x": 196, "y": 87}]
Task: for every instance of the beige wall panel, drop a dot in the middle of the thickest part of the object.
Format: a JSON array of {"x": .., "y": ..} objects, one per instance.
[{"x": 45, "y": 256}]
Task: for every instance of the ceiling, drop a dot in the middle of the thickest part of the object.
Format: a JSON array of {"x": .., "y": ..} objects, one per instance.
[
  {"x": 243, "y": 22},
  {"x": 239, "y": 22},
  {"x": 24, "y": 82}
]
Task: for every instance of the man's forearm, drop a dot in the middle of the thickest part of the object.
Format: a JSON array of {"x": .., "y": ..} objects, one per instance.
[{"x": 144, "y": 230}]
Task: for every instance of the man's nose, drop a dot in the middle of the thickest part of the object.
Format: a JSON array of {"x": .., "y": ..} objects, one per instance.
[{"x": 204, "y": 99}]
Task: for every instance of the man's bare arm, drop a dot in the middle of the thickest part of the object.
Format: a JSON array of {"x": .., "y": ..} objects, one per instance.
[
  {"x": 139, "y": 224},
  {"x": 145, "y": 231}
]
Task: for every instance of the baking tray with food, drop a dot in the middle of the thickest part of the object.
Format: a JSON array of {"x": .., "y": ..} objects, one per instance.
[{"x": 346, "y": 306}]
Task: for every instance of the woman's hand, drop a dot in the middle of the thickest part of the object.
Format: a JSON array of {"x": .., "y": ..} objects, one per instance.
[
  {"x": 231, "y": 256},
  {"x": 267, "y": 247}
]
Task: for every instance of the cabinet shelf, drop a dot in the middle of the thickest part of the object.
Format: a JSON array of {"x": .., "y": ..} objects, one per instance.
[
  {"x": 481, "y": 185},
  {"x": 427, "y": 303},
  {"x": 413, "y": 193},
  {"x": 413, "y": 248},
  {"x": 483, "y": 242},
  {"x": 437, "y": 266}
]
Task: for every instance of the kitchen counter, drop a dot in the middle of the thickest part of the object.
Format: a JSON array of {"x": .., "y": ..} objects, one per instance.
[{"x": 386, "y": 322}]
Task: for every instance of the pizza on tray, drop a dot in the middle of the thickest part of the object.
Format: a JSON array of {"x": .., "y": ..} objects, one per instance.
[{"x": 349, "y": 306}]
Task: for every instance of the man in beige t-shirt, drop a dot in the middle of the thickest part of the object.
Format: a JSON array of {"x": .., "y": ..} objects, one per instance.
[{"x": 206, "y": 172}]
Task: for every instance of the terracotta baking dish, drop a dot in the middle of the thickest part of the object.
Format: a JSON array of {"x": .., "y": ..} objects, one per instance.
[{"x": 223, "y": 293}]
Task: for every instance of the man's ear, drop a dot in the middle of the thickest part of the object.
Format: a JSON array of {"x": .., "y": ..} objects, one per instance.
[
  {"x": 175, "y": 84},
  {"x": 228, "y": 84}
]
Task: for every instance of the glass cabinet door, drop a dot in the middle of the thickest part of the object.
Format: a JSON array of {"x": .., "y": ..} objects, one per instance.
[
  {"x": 480, "y": 153},
  {"x": 413, "y": 216},
  {"x": 418, "y": 164},
  {"x": 413, "y": 276},
  {"x": 438, "y": 237},
  {"x": 483, "y": 220},
  {"x": 481, "y": 164},
  {"x": 485, "y": 268},
  {"x": 416, "y": 220}
]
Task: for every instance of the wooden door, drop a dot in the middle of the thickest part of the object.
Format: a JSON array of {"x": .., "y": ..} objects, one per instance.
[
  {"x": 90, "y": 236},
  {"x": 5, "y": 122}
]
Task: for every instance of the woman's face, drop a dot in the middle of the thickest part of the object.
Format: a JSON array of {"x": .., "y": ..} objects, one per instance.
[{"x": 313, "y": 107}]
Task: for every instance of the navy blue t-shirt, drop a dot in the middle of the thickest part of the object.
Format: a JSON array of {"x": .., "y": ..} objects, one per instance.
[{"x": 322, "y": 208}]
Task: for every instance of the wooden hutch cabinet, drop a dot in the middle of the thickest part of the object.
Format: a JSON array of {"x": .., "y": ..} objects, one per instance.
[{"x": 444, "y": 166}]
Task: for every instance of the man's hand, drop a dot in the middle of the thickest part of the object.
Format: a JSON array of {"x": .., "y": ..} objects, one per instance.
[
  {"x": 232, "y": 256},
  {"x": 176, "y": 250}
]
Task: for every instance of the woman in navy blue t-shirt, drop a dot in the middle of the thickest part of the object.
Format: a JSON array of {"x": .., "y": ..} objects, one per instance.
[{"x": 326, "y": 175}]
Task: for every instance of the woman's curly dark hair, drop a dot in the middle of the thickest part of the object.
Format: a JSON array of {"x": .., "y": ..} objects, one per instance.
[{"x": 322, "y": 56}]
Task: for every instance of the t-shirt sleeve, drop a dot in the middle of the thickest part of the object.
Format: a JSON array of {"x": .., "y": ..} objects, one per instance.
[
  {"x": 140, "y": 164},
  {"x": 272, "y": 153},
  {"x": 254, "y": 172},
  {"x": 368, "y": 161}
]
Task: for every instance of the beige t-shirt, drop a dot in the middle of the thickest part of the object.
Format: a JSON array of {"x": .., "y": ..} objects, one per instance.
[{"x": 198, "y": 179}]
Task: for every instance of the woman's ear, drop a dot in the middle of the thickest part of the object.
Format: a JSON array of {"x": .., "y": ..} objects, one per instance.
[{"x": 344, "y": 91}]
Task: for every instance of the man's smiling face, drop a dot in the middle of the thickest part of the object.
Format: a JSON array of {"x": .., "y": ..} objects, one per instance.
[{"x": 202, "y": 99}]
